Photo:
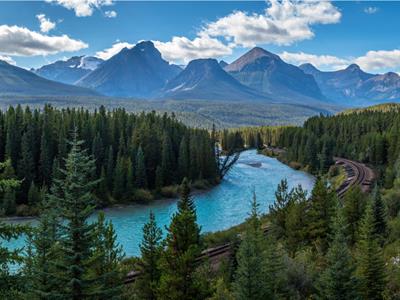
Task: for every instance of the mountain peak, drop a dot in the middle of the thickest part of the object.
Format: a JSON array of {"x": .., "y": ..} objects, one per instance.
[
  {"x": 135, "y": 72},
  {"x": 211, "y": 62},
  {"x": 254, "y": 56},
  {"x": 258, "y": 52},
  {"x": 145, "y": 45},
  {"x": 391, "y": 75},
  {"x": 204, "y": 79},
  {"x": 353, "y": 68},
  {"x": 309, "y": 68},
  {"x": 223, "y": 63}
]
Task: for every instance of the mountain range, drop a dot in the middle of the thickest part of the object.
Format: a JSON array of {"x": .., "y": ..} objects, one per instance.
[
  {"x": 69, "y": 71},
  {"x": 356, "y": 86},
  {"x": 18, "y": 81},
  {"x": 267, "y": 73},
  {"x": 258, "y": 75},
  {"x": 205, "y": 79}
]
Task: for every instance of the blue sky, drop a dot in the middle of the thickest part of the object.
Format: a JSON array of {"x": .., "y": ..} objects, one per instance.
[{"x": 330, "y": 35}]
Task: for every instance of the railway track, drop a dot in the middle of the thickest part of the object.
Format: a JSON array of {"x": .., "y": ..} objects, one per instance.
[{"x": 357, "y": 174}]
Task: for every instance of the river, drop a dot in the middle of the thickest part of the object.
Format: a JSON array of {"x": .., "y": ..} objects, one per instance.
[{"x": 222, "y": 207}]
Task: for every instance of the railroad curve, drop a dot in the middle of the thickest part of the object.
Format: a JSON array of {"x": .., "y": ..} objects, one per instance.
[{"x": 357, "y": 174}]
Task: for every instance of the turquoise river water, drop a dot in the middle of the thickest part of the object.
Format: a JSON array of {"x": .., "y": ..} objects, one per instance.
[{"x": 223, "y": 206}]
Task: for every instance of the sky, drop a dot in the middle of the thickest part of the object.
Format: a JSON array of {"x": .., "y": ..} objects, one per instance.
[{"x": 330, "y": 35}]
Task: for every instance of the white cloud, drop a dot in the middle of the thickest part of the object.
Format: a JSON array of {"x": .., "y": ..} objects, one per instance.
[
  {"x": 323, "y": 62},
  {"x": 283, "y": 23},
  {"x": 114, "y": 49},
  {"x": 110, "y": 14},
  {"x": 371, "y": 10},
  {"x": 182, "y": 49},
  {"x": 379, "y": 60},
  {"x": 45, "y": 24},
  {"x": 82, "y": 8},
  {"x": 373, "y": 61},
  {"x": 8, "y": 59},
  {"x": 21, "y": 41}
]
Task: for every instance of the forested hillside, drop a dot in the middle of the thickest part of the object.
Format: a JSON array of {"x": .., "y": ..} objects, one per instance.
[
  {"x": 134, "y": 153},
  {"x": 346, "y": 248},
  {"x": 308, "y": 246},
  {"x": 370, "y": 135}
]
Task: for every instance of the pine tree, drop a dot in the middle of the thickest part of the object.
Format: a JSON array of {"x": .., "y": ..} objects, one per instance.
[
  {"x": 353, "y": 211},
  {"x": 159, "y": 178},
  {"x": 338, "y": 279},
  {"x": 221, "y": 291},
  {"x": 186, "y": 201},
  {"x": 33, "y": 195},
  {"x": 107, "y": 257},
  {"x": 119, "y": 178},
  {"x": 13, "y": 132},
  {"x": 325, "y": 157},
  {"x": 102, "y": 190},
  {"x": 43, "y": 278},
  {"x": 110, "y": 168},
  {"x": 73, "y": 192},
  {"x": 8, "y": 282},
  {"x": 140, "y": 170},
  {"x": 380, "y": 219},
  {"x": 183, "y": 159},
  {"x": 167, "y": 160},
  {"x": 26, "y": 165},
  {"x": 321, "y": 212},
  {"x": 274, "y": 269},
  {"x": 179, "y": 259},
  {"x": 46, "y": 148},
  {"x": 279, "y": 209},
  {"x": 371, "y": 270},
  {"x": 9, "y": 204},
  {"x": 250, "y": 274},
  {"x": 151, "y": 249},
  {"x": 130, "y": 179}
]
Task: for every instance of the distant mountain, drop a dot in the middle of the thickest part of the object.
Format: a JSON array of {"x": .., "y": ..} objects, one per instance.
[
  {"x": 136, "y": 72},
  {"x": 268, "y": 73},
  {"x": 71, "y": 70},
  {"x": 223, "y": 64},
  {"x": 353, "y": 86},
  {"x": 204, "y": 79},
  {"x": 18, "y": 81},
  {"x": 382, "y": 87}
]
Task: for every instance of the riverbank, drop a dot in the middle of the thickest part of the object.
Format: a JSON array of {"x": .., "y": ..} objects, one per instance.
[
  {"x": 219, "y": 208},
  {"x": 142, "y": 197}
]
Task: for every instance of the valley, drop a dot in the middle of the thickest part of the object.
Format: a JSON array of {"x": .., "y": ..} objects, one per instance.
[{"x": 199, "y": 150}]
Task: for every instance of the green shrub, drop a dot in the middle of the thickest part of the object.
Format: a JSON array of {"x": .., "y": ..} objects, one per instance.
[
  {"x": 295, "y": 165},
  {"x": 142, "y": 195},
  {"x": 169, "y": 191},
  {"x": 24, "y": 210},
  {"x": 201, "y": 184}
]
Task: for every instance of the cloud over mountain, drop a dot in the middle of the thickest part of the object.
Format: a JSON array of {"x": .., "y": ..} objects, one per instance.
[
  {"x": 114, "y": 49},
  {"x": 329, "y": 62},
  {"x": 82, "y": 8},
  {"x": 21, "y": 41},
  {"x": 282, "y": 23},
  {"x": 183, "y": 50},
  {"x": 372, "y": 61},
  {"x": 377, "y": 60},
  {"x": 7, "y": 59}
]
